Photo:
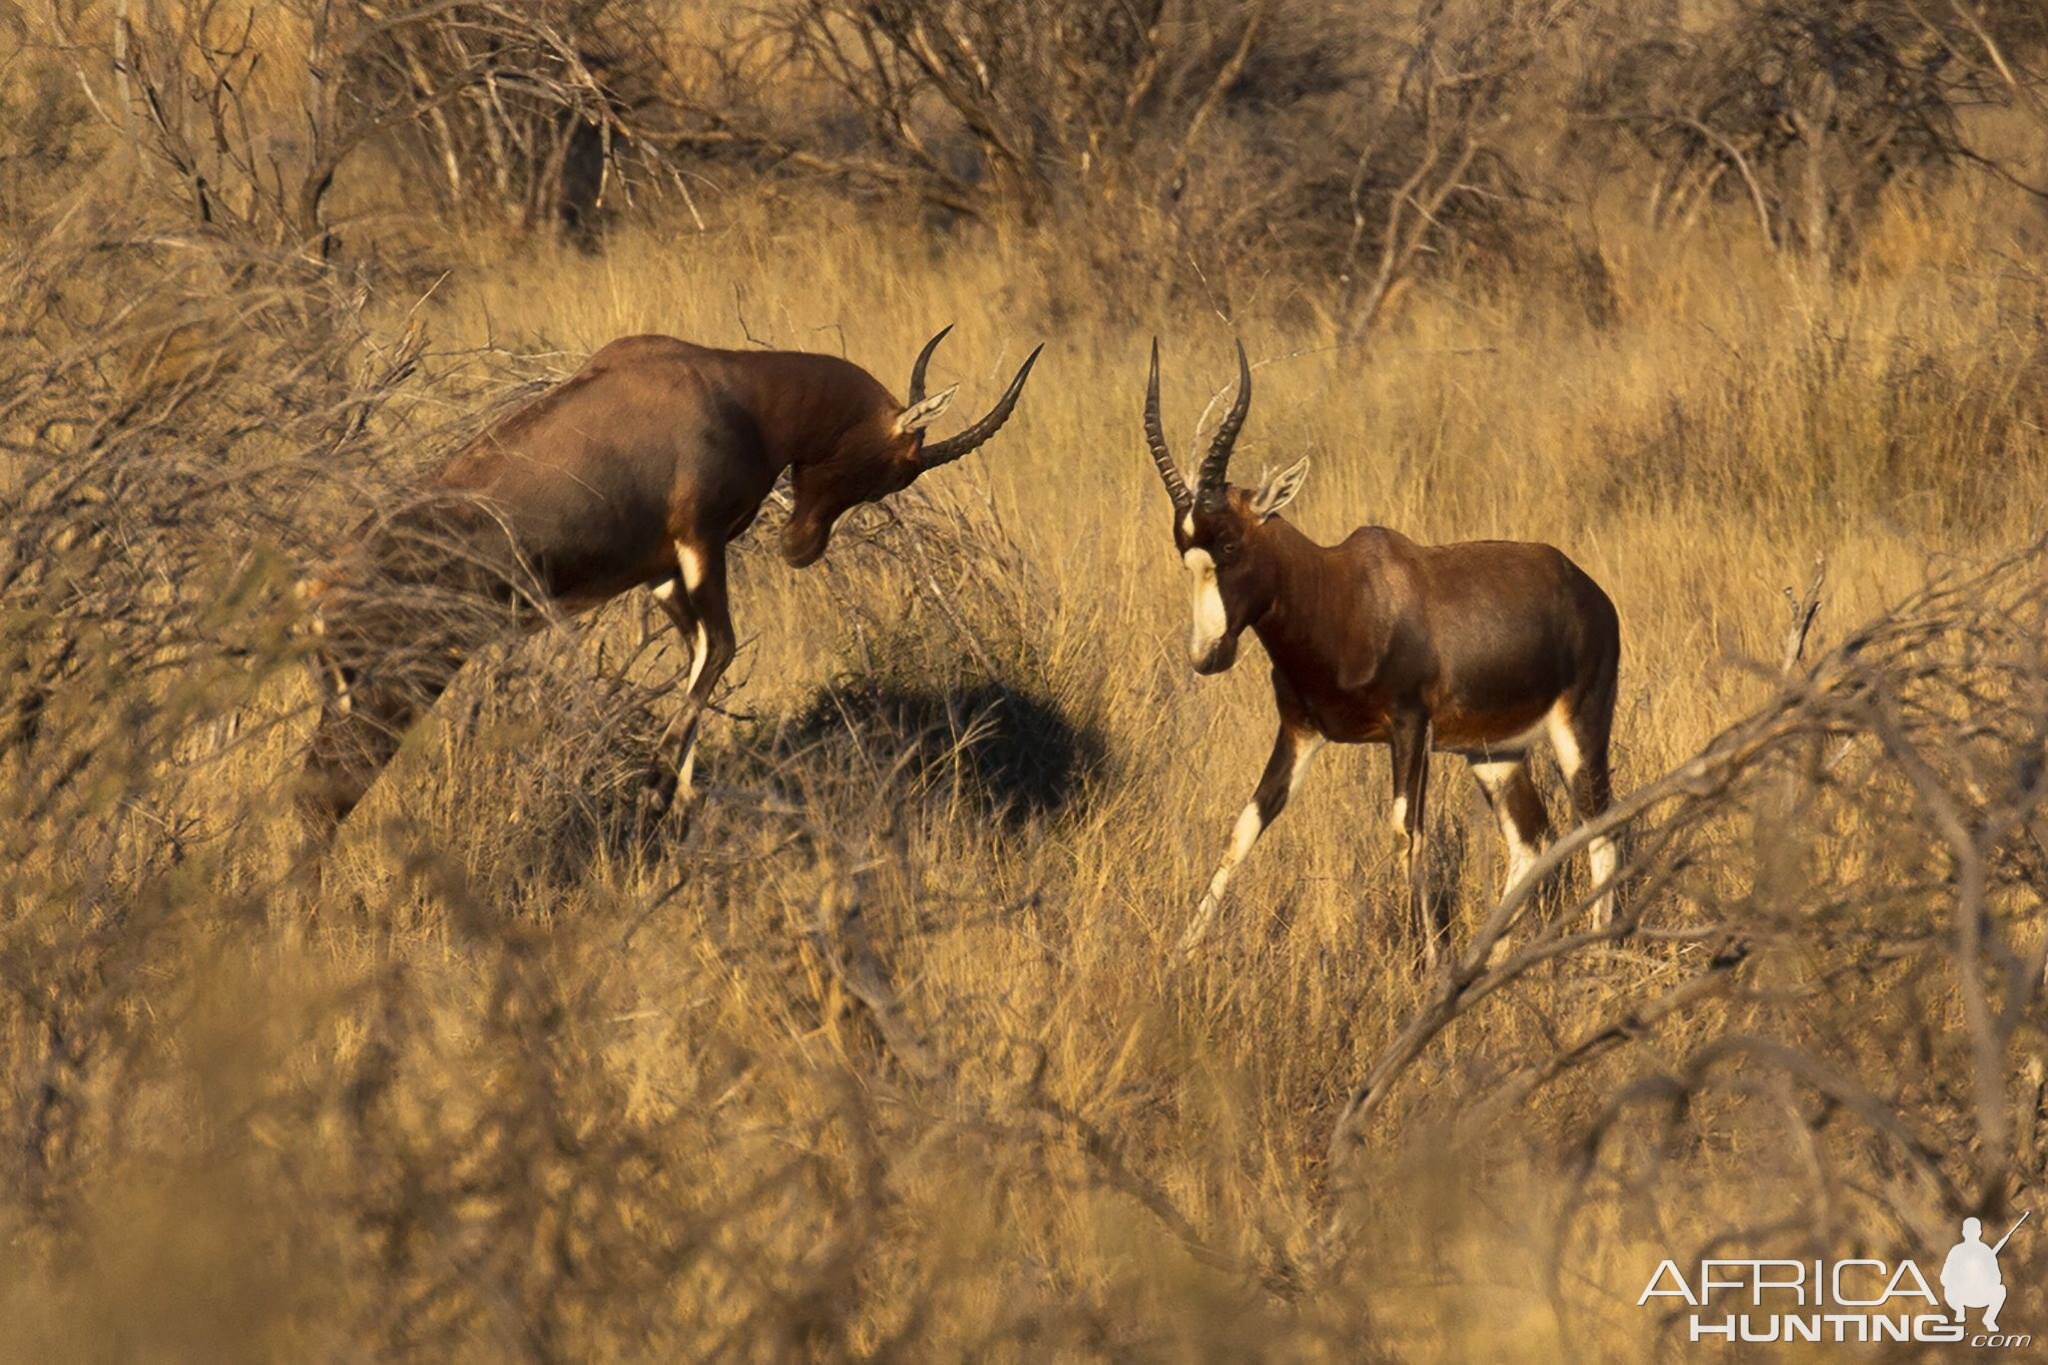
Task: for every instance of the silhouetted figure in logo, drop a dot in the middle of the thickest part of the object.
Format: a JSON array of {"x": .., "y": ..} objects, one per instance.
[{"x": 1969, "y": 1277}]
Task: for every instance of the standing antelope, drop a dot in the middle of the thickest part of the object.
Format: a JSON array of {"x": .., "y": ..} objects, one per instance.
[
  {"x": 638, "y": 470},
  {"x": 1477, "y": 648}
]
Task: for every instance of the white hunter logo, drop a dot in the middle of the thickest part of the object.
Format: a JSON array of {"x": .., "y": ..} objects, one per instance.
[{"x": 1842, "y": 1301}]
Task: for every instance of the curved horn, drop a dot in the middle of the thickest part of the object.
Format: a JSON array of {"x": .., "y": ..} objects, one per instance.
[
  {"x": 953, "y": 447},
  {"x": 924, "y": 358},
  {"x": 1217, "y": 461},
  {"x": 1155, "y": 436}
]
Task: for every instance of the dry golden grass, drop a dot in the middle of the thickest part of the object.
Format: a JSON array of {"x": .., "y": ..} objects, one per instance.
[{"x": 492, "y": 1092}]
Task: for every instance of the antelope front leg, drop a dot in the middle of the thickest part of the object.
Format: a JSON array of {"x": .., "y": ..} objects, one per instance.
[
  {"x": 676, "y": 602},
  {"x": 1408, "y": 748},
  {"x": 1524, "y": 825},
  {"x": 1292, "y": 751},
  {"x": 1518, "y": 808},
  {"x": 695, "y": 600}
]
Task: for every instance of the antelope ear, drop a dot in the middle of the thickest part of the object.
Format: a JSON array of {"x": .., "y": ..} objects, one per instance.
[
  {"x": 920, "y": 415},
  {"x": 1277, "y": 490}
]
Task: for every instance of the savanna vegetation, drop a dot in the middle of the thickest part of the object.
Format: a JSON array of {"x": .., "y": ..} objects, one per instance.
[{"x": 882, "y": 1049}]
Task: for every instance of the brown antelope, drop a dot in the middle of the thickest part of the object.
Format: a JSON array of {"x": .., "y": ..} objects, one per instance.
[
  {"x": 638, "y": 470},
  {"x": 1478, "y": 648}
]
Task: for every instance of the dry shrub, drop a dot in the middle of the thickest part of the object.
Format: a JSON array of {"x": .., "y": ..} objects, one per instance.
[
  {"x": 1868, "y": 839},
  {"x": 540, "y": 113},
  {"x": 1801, "y": 115},
  {"x": 1328, "y": 155},
  {"x": 550, "y": 751},
  {"x": 1232, "y": 138},
  {"x": 157, "y": 444},
  {"x": 945, "y": 695},
  {"x": 42, "y": 119},
  {"x": 247, "y": 117}
]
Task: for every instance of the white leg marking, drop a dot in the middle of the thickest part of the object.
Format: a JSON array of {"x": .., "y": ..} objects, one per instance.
[
  {"x": 690, "y": 577},
  {"x": 692, "y": 565},
  {"x": 1495, "y": 777},
  {"x": 686, "y": 780},
  {"x": 1601, "y": 853},
  {"x": 1250, "y": 825},
  {"x": 1521, "y": 857},
  {"x": 1496, "y": 774},
  {"x": 1206, "y": 605},
  {"x": 1569, "y": 759},
  {"x": 1401, "y": 816},
  {"x": 700, "y": 650}
]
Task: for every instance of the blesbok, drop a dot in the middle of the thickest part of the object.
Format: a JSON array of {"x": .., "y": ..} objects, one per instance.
[
  {"x": 1478, "y": 648},
  {"x": 638, "y": 470}
]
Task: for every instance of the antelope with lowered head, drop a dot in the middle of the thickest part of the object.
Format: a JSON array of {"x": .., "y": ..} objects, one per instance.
[
  {"x": 1479, "y": 648},
  {"x": 637, "y": 471}
]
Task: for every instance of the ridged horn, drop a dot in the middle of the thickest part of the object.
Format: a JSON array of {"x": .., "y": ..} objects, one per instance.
[
  {"x": 1217, "y": 463},
  {"x": 953, "y": 447},
  {"x": 1155, "y": 436},
  {"x": 924, "y": 358}
]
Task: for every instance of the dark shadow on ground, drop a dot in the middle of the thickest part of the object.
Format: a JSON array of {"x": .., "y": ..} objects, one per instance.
[{"x": 1001, "y": 750}]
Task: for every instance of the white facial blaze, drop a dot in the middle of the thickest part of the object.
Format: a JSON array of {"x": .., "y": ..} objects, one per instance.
[{"x": 1205, "y": 602}]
